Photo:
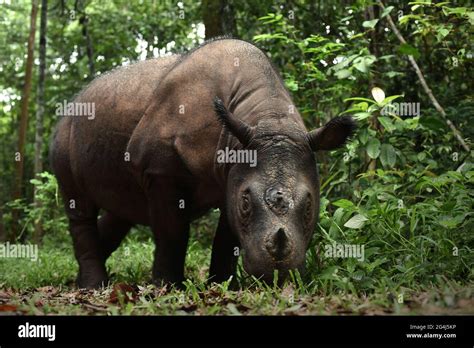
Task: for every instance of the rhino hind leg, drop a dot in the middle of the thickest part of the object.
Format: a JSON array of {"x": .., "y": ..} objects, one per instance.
[
  {"x": 82, "y": 214},
  {"x": 85, "y": 236},
  {"x": 112, "y": 230},
  {"x": 225, "y": 252}
]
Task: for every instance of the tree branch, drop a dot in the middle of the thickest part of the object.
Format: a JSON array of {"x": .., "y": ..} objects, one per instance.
[{"x": 424, "y": 84}]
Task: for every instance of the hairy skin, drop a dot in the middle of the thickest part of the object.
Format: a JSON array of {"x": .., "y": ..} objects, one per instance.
[{"x": 152, "y": 147}]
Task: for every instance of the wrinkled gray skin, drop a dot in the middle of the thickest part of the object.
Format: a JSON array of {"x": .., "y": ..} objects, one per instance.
[{"x": 152, "y": 144}]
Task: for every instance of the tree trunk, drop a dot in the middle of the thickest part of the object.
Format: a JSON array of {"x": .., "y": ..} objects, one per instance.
[
  {"x": 20, "y": 155},
  {"x": 40, "y": 110},
  {"x": 3, "y": 235},
  {"x": 218, "y": 17},
  {"x": 89, "y": 46}
]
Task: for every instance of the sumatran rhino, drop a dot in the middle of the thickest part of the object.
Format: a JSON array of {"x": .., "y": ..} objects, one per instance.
[{"x": 150, "y": 156}]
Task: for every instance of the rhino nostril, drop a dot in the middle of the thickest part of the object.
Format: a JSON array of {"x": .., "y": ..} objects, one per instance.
[
  {"x": 280, "y": 238},
  {"x": 279, "y": 245}
]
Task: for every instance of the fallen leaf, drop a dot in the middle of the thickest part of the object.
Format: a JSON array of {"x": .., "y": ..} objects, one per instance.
[
  {"x": 123, "y": 292},
  {"x": 8, "y": 308}
]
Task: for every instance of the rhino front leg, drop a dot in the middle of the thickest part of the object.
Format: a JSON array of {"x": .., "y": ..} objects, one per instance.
[
  {"x": 225, "y": 252},
  {"x": 170, "y": 227},
  {"x": 112, "y": 230}
]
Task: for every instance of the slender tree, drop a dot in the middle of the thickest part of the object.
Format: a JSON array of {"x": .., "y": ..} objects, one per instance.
[
  {"x": 218, "y": 17},
  {"x": 84, "y": 20},
  {"x": 40, "y": 110},
  {"x": 20, "y": 154}
]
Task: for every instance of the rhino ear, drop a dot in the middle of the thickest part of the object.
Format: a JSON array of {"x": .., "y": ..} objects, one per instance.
[
  {"x": 239, "y": 129},
  {"x": 332, "y": 135}
]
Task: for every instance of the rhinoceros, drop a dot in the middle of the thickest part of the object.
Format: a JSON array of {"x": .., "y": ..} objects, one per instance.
[{"x": 152, "y": 153}]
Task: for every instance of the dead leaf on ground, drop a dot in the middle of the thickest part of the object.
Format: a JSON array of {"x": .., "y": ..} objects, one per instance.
[
  {"x": 51, "y": 290},
  {"x": 123, "y": 292},
  {"x": 8, "y": 308}
]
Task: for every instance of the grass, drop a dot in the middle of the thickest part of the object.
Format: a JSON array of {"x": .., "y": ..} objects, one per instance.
[
  {"x": 418, "y": 259},
  {"x": 392, "y": 279}
]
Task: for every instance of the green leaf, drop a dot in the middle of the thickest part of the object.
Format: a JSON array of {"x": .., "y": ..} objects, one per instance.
[
  {"x": 362, "y": 115},
  {"x": 451, "y": 222},
  {"x": 276, "y": 36},
  {"x": 361, "y": 99},
  {"x": 344, "y": 203},
  {"x": 373, "y": 108},
  {"x": 357, "y": 221},
  {"x": 292, "y": 85},
  {"x": 363, "y": 136},
  {"x": 342, "y": 74},
  {"x": 409, "y": 50},
  {"x": 427, "y": 2},
  {"x": 387, "y": 124},
  {"x": 421, "y": 156},
  {"x": 390, "y": 99},
  {"x": 363, "y": 63},
  {"x": 329, "y": 273},
  {"x": 388, "y": 155},
  {"x": 392, "y": 74},
  {"x": 456, "y": 10},
  {"x": 470, "y": 15},
  {"x": 442, "y": 31},
  {"x": 387, "y": 10},
  {"x": 373, "y": 148},
  {"x": 344, "y": 61},
  {"x": 370, "y": 24},
  {"x": 338, "y": 215}
]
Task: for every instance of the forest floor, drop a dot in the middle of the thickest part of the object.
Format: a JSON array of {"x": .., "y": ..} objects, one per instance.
[
  {"x": 46, "y": 287},
  {"x": 123, "y": 299}
]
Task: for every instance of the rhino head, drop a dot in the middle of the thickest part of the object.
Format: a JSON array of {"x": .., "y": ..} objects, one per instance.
[{"x": 273, "y": 207}]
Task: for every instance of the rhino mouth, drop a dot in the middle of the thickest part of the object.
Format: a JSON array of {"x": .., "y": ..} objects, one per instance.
[{"x": 264, "y": 268}]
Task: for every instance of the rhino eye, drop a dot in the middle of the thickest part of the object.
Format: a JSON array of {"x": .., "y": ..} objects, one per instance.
[{"x": 245, "y": 204}]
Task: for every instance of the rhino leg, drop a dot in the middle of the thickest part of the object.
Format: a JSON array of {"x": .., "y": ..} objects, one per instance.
[
  {"x": 85, "y": 237},
  {"x": 112, "y": 230},
  {"x": 82, "y": 214},
  {"x": 225, "y": 252},
  {"x": 170, "y": 227}
]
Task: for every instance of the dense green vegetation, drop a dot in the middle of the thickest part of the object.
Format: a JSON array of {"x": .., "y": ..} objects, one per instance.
[{"x": 403, "y": 188}]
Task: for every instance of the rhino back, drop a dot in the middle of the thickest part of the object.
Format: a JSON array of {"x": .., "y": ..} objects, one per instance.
[
  {"x": 182, "y": 113},
  {"x": 93, "y": 151}
]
